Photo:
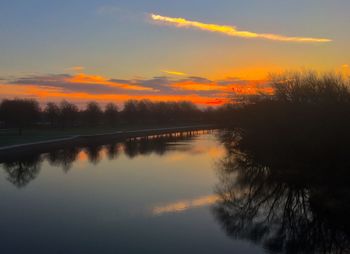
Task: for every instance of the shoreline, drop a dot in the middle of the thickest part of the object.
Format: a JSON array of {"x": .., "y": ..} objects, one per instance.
[{"x": 42, "y": 146}]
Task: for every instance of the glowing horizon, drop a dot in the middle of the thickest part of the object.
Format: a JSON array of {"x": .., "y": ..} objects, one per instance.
[{"x": 86, "y": 87}]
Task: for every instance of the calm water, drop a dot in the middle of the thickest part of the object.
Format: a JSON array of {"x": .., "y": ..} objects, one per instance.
[{"x": 155, "y": 196}]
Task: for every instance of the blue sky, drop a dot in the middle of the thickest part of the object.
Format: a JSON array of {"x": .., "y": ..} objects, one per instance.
[{"x": 117, "y": 39}]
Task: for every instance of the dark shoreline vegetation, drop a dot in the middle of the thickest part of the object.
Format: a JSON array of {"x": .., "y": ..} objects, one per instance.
[
  {"x": 24, "y": 121},
  {"x": 302, "y": 102},
  {"x": 284, "y": 182}
]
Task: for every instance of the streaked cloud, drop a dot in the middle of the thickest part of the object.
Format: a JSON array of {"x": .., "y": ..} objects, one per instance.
[
  {"x": 81, "y": 82},
  {"x": 233, "y": 31},
  {"x": 176, "y": 73}
]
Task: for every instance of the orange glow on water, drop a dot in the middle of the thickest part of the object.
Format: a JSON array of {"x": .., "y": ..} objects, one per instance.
[{"x": 183, "y": 205}]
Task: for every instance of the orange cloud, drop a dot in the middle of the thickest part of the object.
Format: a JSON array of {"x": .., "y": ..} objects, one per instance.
[
  {"x": 95, "y": 79},
  {"x": 84, "y": 87},
  {"x": 253, "y": 87},
  {"x": 57, "y": 94},
  {"x": 89, "y": 79},
  {"x": 232, "y": 31},
  {"x": 194, "y": 86}
]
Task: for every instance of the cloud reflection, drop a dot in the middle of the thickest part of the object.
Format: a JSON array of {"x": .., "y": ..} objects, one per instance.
[{"x": 183, "y": 205}]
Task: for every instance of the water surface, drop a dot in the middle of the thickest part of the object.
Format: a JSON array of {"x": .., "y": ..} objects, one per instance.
[{"x": 144, "y": 196}]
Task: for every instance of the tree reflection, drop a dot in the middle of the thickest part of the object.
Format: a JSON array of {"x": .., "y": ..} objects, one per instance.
[
  {"x": 287, "y": 201},
  {"x": 63, "y": 157},
  {"x": 22, "y": 168},
  {"x": 93, "y": 152},
  {"x": 113, "y": 150},
  {"x": 21, "y": 172},
  {"x": 159, "y": 144}
]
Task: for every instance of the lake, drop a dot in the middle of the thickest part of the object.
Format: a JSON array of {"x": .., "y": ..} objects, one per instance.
[{"x": 155, "y": 195}]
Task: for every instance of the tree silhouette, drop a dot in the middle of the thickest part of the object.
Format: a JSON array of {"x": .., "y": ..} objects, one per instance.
[
  {"x": 93, "y": 114},
  {"x": 68, "y": 114},
  {"x": 52, "y": 113},
  {"x": 111, "y": 114},
  {"x": 24, "y": 170},
  {"x": 19, "y": 113}
]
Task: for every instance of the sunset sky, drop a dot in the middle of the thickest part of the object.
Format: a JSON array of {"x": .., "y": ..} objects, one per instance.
[{"x": 197, "y": 50}]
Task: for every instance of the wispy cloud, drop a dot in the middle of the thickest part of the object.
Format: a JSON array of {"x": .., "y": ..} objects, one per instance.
[
  {"x": 233, "y": 31},
  {"x": 81, "y": 82},
  {"x": 76, "y": 68},
  {"x": 177, "y": 73}
]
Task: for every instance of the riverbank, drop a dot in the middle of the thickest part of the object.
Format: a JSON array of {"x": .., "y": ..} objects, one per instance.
[
  {"x": 42, "y": 146},
  {"x": 40, "y": 134}
]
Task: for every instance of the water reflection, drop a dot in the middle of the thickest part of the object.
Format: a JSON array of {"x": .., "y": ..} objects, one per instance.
[
  {"x": 63, "y": 158},
  {"x": 93, "y": 152},
  {"x": 21, "y": 170},
  {"x": 113, "y": 150},
  {"x": 284, "y": 199},
  {"x": 183, "y": 205}
]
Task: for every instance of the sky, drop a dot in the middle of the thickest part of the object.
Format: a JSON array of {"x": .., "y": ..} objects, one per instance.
[{"x": 203, "y": 51}]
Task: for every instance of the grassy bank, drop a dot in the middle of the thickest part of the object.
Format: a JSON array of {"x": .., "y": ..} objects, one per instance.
[{"x": 12, "y": 137}]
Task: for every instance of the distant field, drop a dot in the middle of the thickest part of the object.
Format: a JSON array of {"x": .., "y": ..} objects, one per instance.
[{"x": 11, "y": 137}]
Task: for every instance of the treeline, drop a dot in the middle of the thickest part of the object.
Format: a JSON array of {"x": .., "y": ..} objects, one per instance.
[
  {"x": 25, "y": 113},
  {"x": 308, "y": 111},
  {"x": 288, "y": 153}
]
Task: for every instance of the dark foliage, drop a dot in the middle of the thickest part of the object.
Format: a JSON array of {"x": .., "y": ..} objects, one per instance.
[
  {"x": 93, "y": 114},
  {"x": 284, "y": 182},
  {"x": 19, "y": 113},
  {"x": 27, "y": 113},
  {"x": 111, "y": 114}
]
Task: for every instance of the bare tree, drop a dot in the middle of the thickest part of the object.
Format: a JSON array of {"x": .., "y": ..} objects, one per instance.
[{"x": 111, "y": 114}]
